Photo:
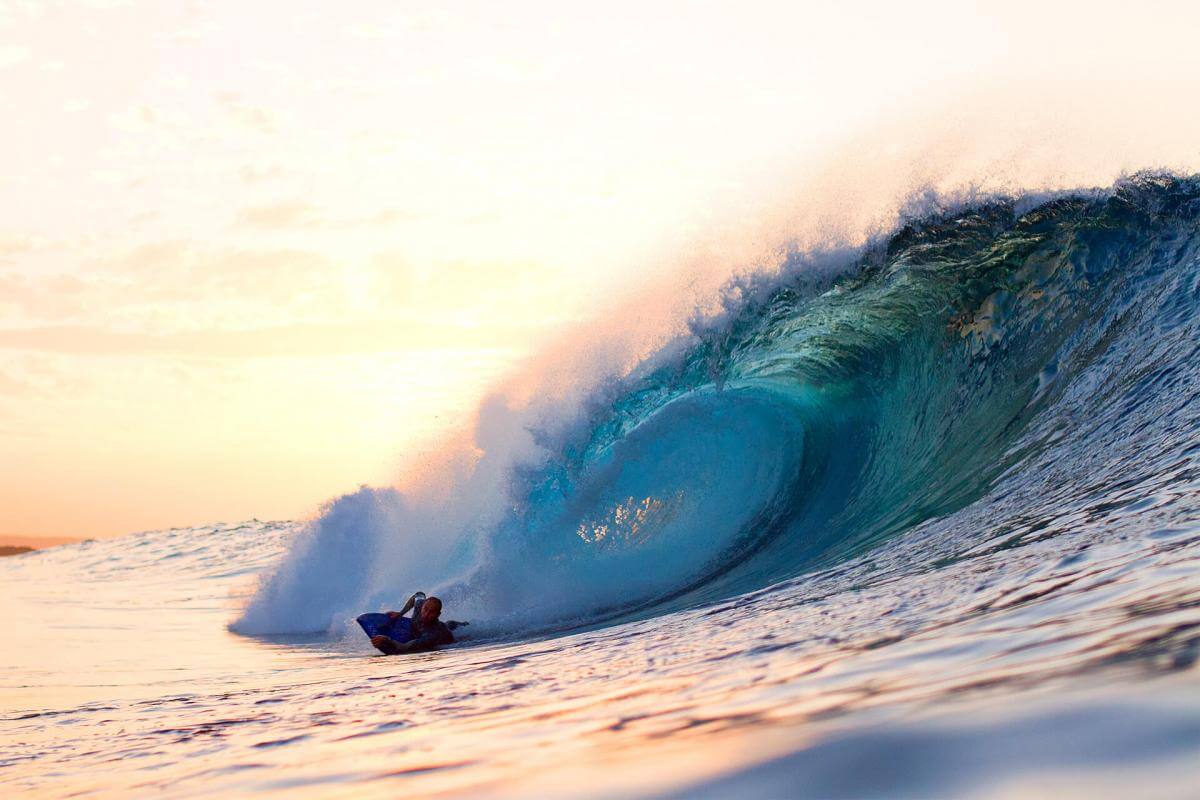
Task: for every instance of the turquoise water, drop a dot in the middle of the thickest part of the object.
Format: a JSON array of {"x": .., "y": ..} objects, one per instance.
[{"x": 924, "y": 525}]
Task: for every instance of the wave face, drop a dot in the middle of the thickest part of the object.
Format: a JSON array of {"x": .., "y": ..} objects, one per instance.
[{"x": 1017, "y": 360}]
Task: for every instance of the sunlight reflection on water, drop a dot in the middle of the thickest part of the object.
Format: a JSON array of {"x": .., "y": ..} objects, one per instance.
[{"x": 123, "y": 680}]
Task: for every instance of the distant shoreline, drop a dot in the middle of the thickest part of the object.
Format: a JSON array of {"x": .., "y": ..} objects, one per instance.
[{"x": 16, "y": 545}]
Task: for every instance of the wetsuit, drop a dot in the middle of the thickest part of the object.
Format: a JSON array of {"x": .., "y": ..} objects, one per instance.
[
  {"x": 409, "y": 636},
  {"x": 428, "y": 637}
]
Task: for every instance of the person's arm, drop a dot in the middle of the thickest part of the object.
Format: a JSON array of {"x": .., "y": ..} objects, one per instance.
[
  {"x": 428, "y": 640},
  {"x": 386, "y": 645},
  {"x": 407, "y": 606},
  {"x": 418, "y": 645}
]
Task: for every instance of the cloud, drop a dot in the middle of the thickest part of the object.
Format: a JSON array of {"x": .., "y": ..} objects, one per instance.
[
  {"x": 294, "y": 214},
  {"x": 12, "y": 245},
  {"x": 151, "y": 119},
  {"x": 255, "y": 118},
  {"x": 176, "y": 296},
  {"x": 11, "y": 55},
  {"x": 176, "y": 285},
  {"x": 390, "y": 216},
  {"x": 231, "y": 283},
  {"x": 12, "y": 386},
  {"x": 278, "y": 216},
  {"x": 265, "y": 342},
  {"x": 47, "y": 298},
  {"x": 38, "y": 375},
  {"x": 257, "y": 173}
]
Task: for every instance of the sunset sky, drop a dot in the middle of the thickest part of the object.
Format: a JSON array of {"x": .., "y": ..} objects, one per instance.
[{"x": 256, "y": 254}]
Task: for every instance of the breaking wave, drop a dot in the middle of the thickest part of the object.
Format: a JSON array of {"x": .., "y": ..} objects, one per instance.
[{"x": 1034, "y": 352}]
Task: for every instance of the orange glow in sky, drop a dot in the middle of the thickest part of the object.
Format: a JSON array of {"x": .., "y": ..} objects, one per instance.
[{"x": 252, "y": 256}]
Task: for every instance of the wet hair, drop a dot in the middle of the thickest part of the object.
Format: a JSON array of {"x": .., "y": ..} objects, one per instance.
[{"x": 433, "y": 602}]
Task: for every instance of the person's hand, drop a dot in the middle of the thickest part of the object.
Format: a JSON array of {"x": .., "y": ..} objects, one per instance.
[{"x": 393, "y": 614}]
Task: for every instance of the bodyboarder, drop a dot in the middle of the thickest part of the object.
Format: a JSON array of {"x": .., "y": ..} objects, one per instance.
[{"x": 394, "y": 634}]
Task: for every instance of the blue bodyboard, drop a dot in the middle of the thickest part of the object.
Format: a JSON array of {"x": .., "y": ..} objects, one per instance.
[{"x": 398, "y": 629}]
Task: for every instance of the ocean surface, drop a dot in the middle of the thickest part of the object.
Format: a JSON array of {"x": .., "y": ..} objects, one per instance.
[{"x": 924, "y": 523}]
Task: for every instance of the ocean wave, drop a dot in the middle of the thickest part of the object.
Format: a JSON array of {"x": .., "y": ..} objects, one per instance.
[{"x": 1001, "y": 357}]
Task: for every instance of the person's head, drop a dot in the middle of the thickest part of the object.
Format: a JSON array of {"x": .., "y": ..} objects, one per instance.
[{"x": 431, "y": 609}]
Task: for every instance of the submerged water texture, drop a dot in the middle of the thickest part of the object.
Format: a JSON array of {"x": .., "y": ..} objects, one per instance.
[{"x": 929, "y": 528}]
